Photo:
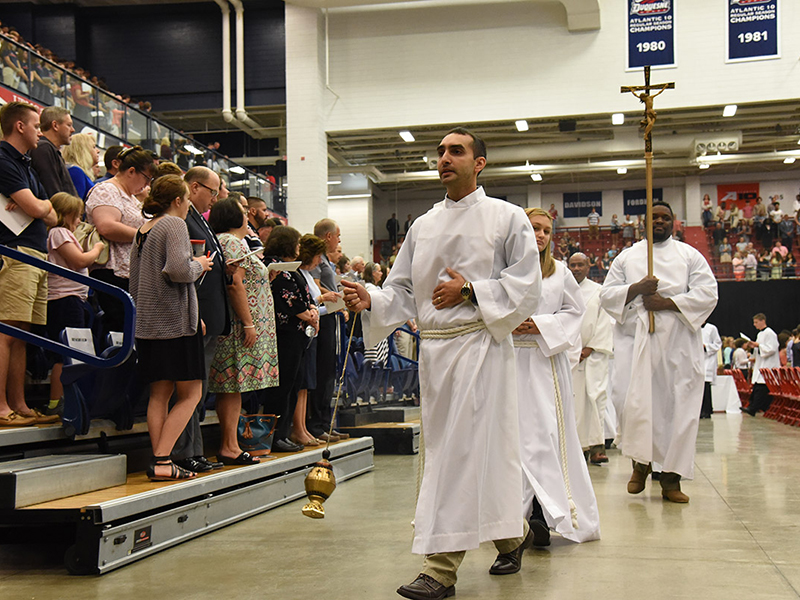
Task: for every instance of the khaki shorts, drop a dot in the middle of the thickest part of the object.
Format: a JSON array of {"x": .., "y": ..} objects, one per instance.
[{"x": 23, "y": 290}]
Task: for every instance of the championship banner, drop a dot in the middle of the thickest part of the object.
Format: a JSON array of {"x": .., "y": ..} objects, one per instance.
[
  {"x": 635, "y": 201},
  {"x": 737, "y": 193},
  {"x": 580, "y": 204},
  {"x": 752, "y": 30},
  {"x": 651, "y": 34}
]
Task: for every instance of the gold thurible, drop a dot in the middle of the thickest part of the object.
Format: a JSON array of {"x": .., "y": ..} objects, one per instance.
[{"x": 320, "y": 483}]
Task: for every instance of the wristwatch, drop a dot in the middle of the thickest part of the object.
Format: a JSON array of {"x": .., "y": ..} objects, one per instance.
[{"x": 466, "y": 291}]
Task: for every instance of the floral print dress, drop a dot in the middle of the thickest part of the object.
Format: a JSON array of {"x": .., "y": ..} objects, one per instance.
[{"x": 236, "y": 368}]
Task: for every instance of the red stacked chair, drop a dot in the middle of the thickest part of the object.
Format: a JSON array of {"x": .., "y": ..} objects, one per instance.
[
  {"x": 743, "y": 386},
  {"x": 776, "y": 409}
]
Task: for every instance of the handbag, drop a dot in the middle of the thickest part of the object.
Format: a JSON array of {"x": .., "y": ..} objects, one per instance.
[
  {"x": 87, "y": 236},
  {"x": 255, "y": 433}
]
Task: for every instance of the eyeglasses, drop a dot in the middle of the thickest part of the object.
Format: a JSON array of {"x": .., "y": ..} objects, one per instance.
[
  {"x": 147, "y": 177},
  {"x": 214, "y": 193}
]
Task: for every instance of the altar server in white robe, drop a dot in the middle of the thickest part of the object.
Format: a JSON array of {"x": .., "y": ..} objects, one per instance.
[
  {"x": 659, "y": 375},
  {"x": 711, "y": 345},
  {"x": 590, "y": 374},
  {"x": 468, "y": 272},
  {"x": 557, "y": 491},
  {"x": 766, "y": 355}
]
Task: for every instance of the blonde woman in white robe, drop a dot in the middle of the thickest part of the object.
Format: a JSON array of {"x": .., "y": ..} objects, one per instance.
[{"x": 557, "y": 491}]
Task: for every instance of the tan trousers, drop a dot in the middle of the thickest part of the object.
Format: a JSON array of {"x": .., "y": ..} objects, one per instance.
[{"x": 443, "y": 565}]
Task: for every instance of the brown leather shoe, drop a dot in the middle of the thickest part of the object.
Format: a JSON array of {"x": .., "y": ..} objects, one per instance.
[
  {"x": 676, "y": 496},
  {"x": 599, "y": 458},
  {"x": 638, "y": 480},
  {"x": 14, "y": 419},
  {"x": 426, "y": 587},
  {"x": 506, "y": 564}
]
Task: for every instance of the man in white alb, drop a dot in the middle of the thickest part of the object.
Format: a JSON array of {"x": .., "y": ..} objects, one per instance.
[
  {"x": 765, "y": 356},
  {"x": 711, "y": 345},
  {"x": 660, "y": 374},
  {"x": 469, "y": 273},
  {"x": 590, "y": 374}
]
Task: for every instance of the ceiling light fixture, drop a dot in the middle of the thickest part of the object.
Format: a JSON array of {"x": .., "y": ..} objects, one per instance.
[
  {"x": 729, "y": 110},
  {"x": 622, "y": 170},
  {"x": 703, "y": 165},
  {"x": 536, "y": 176},
  {"x": 789, "y": 161},
  {"x": 522, "y": 125},
  {"x": 618, "y": 119},
  {"x": 407, "y": 136}
]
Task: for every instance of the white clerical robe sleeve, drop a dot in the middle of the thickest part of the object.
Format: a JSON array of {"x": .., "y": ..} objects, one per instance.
[
  {"x": 769, "y": 345},
  {"x": 699, "y": 301},
  {"x": 602, "y": 338},
  {"x": 394, "y": 304},
  {"x": 562, "y": 330},
  {"x": 508, "y": 300},
  {"x": 615, "y": 292}
]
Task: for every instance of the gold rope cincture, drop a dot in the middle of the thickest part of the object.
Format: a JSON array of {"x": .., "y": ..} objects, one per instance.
[
  {"x": 562, "y": 445},
  {"x": 562, "y": 441},
  {"x": 439, "y": 334}
]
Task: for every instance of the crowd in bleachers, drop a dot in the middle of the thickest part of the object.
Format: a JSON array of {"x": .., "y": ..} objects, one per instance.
[
  {"x": 217, "y": 310},
  {"x": 754, "y": 241}
]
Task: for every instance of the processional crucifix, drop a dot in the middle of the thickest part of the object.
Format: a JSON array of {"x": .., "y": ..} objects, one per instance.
[{"x": 647, "y": 122}]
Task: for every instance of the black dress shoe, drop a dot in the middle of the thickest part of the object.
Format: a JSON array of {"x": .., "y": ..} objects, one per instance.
[
  {"x": 506, "y": 564},
  {"x": 286, "y": 446},
  {"x": 426, "y": 587},
  {"x": 192, "y": 464},
  {"x": 215, "y": 464},
  {"x": 541, "y": 533}
]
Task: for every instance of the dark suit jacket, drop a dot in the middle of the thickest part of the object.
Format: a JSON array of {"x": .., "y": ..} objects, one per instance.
[
  {"x": 46, "y": 160},
  {"x": 212, "y": 294}
]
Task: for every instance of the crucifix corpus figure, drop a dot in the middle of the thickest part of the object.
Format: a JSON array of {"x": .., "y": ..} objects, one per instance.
[{"x": 648, "y": 122}]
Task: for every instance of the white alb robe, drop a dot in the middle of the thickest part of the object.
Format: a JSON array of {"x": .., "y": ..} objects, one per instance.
[
  {"x": 590, "y": 376},
  {"x": 767, "y": 354},
  {"x": 558, "y": 318},
  {"x": 470, "y": 490},
  {"x": 711, "y": 345},
  {"x": 660, "y": 375}
]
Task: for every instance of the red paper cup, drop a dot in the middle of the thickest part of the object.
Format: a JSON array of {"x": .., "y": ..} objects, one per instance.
[{"x": 198, "y": 247}]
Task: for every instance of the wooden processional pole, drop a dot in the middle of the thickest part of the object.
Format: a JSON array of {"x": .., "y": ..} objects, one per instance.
[{"x": 648, "y": 122}]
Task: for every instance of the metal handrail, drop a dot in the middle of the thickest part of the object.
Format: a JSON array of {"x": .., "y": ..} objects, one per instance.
[
  {"x": 105, "y": 288},
  {"x": 148, "y": 136}
]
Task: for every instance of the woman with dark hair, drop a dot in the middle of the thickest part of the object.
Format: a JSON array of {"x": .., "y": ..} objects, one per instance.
[
  {"x": 295, "y": 311},
  {"x": 169, "y": 338},
  {"x": 556, "y": 486},
  {"x": 311, "y": 250},
  {"x": 246, "y": 360},
  {"x": 373, "y": 274},
  {"x": 112, "y": 207}
]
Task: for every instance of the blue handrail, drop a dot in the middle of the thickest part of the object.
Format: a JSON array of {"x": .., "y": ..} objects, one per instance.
[{"x": 90, "y": 359}]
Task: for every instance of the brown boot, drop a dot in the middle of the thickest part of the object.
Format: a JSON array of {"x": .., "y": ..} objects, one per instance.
[
  {"x": 638, "y": 477},
  {"x": 671, "y": 488}
]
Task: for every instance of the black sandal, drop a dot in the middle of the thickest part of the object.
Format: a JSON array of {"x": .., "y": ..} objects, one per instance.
[
  {"x": 245, "y": 458},
  {"x": 176, "y": 473}
]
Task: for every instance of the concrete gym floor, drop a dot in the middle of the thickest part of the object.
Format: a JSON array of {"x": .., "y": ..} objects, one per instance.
[{"x": 738, "y": 538}]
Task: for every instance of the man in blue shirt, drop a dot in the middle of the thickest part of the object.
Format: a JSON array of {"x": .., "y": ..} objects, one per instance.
[{"x": 23, "y": 289}]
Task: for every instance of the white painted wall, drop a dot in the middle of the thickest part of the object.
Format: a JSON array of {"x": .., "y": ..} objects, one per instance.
[
  {"x": 354, "y": 218},
  {"x": 413, "y": 66}
]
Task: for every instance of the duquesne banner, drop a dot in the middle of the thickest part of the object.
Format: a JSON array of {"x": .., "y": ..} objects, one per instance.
[
  {"x": 651, "y": 33},
  {"x": 753, "y": 27}
]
